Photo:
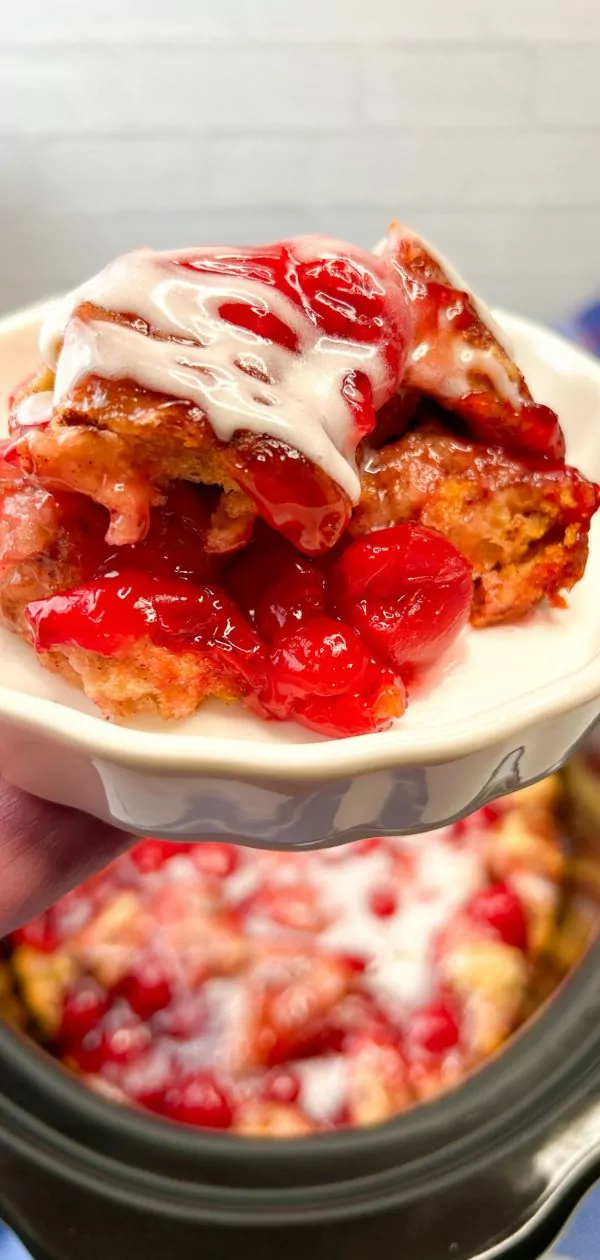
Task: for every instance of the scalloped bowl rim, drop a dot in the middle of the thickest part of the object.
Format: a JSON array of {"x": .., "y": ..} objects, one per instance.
[{"x": 174, "y": 753}]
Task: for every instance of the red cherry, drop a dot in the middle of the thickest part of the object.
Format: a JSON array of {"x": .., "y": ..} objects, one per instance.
[
  {"x": 381, "y": 699},
  {"x": 499, "y": 908},
  {"x": 275, "y": 585},
  {"x": 489, "y": 814},
  {"x": 406, "y": 590},
  {"x": 151, "y": 1097},
  {"x": 293, "y": 495},
  {"x": 147, "y": 989},
  {"x": 374, "y": 844},
  {"x": 215, "y": 859},
  {"x": 321, "y": 657},
  {"x": 175, "y": 543},
  {"x": 290, "y": 600},
  {"x": 83, "y": 1008},
  {"x": 356, "y": 963},
  {"x": 126, "y": 1041},
  {"x": 432, "y": 1029},
  {"x": 382, "y": 902},
  {"x": 40, "y": 932},
  {"x": 321, "y": 675},
  {"x": 151, "y": 855},
  {"x": 120, "y": 1039},
  {"x": 198, "y": 1101},
  {"x": 282, "y": 1087},
  {"x": 89, "y": 1054}
]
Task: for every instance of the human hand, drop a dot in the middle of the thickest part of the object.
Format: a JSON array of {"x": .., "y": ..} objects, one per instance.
[{"x": 46, "y": 849}]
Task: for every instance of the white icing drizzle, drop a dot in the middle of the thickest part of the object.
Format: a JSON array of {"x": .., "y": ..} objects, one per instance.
[
  {"x": 451, "y": 370},
  {"x": 34, "y": 409},
  {"x": 454, "y": 379},
  {"x": 401, "y": 232},
  {"x": 297, "y": 397},
  {"x": 238, "y": 379}
]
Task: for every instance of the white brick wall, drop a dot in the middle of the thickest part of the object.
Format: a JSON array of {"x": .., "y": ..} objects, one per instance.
[{"x": 125, "y": 122}]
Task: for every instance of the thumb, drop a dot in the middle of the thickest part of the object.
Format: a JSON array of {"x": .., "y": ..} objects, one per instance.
[{"x": 45, "y": 850}]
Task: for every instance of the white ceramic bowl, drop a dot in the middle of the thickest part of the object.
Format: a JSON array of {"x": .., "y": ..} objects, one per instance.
[{"x": 506, "y": 709}]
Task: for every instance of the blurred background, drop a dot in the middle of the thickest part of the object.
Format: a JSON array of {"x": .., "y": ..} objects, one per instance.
[{"x": 174, "y": 122}]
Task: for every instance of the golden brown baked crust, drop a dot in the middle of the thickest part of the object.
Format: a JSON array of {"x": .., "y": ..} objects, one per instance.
[
  {"x": 524, "y": 526},
  {"x": 43, "y": 541}
]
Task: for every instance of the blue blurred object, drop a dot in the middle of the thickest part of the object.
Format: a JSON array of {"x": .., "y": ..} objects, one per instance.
[
  {"x": 584, "y": 328},
  {"x": 10, "y": 1247},
  {"x": 581, "y": 1237}
]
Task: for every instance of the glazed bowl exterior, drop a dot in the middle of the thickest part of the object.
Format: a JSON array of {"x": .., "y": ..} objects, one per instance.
[
  {"x": 490, "y": 1170},
  {"x": 226, "y": 773}
]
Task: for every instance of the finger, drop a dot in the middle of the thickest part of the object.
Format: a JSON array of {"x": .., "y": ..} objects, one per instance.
[{"x": 45, "y": 850}]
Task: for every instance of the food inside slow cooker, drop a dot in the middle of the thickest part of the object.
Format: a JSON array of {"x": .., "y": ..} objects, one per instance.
[{"x": 282, "y": 994}]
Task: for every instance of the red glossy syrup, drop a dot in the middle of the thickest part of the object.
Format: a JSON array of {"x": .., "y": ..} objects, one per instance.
[
  {"x": 352, "y": 297},
  {"x": 530, "y": 427},
  {"x": 111, "y": 613},
  {"x": 292, "y": 495},
  {"x": 320, "y": 644},
  {"x": 175, "y": 546},
  {"x": 274, "y": 585}
]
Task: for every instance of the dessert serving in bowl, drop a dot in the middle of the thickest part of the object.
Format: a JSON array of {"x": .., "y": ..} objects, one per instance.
[{"x": 309, "y": 481}]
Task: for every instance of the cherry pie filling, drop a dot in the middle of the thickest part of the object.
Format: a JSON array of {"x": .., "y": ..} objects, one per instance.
[
  {"x": 286, "y": 630},
  {"x": 252, "y": 571},
  {"x": 282, "y": 994}
]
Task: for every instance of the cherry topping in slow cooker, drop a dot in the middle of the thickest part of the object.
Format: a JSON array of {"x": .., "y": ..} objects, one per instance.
[{"x": 248, "y": 990}]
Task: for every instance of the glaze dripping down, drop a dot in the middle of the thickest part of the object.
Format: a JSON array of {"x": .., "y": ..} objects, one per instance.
[{"x": 275, "y": 340}]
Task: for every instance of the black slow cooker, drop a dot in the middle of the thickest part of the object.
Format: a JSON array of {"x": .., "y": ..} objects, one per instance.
[{"x": 490, "y": 1170}]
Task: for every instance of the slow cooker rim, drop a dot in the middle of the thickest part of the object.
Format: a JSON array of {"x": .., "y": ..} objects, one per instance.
[
  {"x": 574, "y": 1078},
  {"x": 583, "y": 1171}
]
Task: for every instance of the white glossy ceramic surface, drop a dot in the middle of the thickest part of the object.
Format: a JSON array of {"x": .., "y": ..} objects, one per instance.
[{"x": 506, "y": 708}]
